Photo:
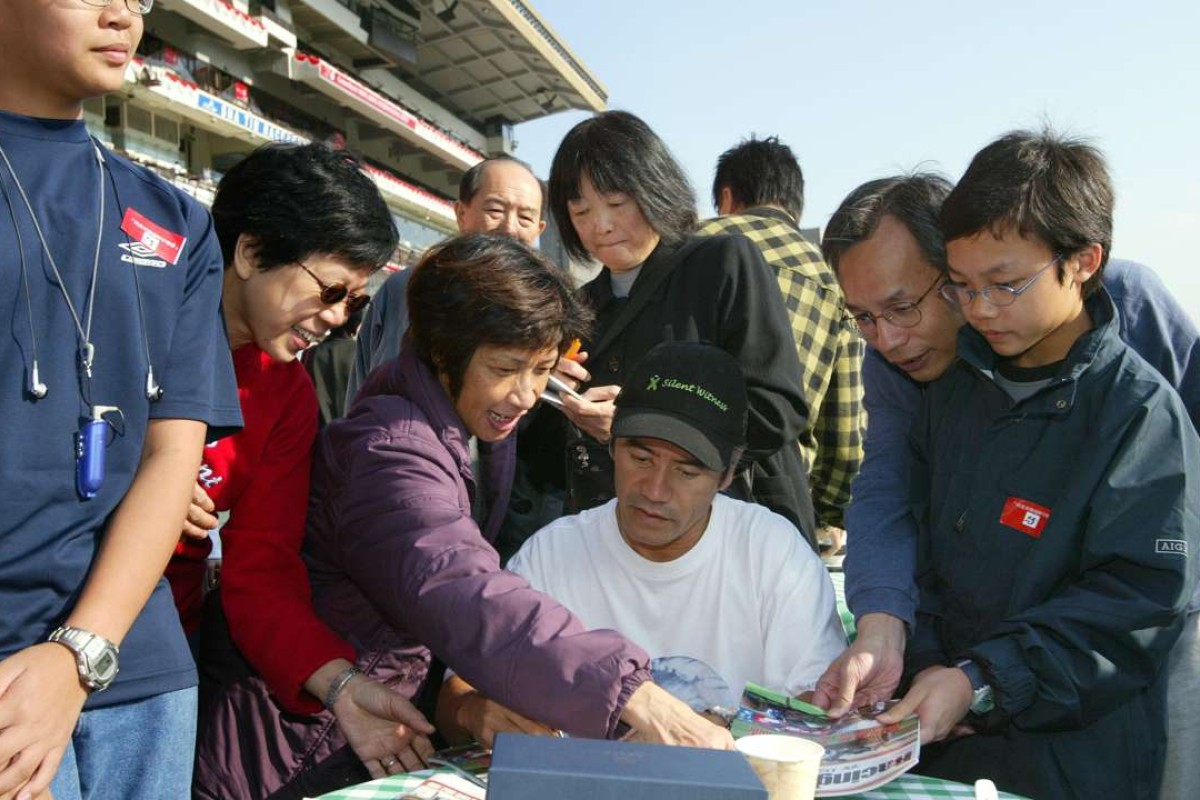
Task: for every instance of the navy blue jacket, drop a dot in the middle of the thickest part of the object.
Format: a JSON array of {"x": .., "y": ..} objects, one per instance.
[{"x": 1055, "y": 547}]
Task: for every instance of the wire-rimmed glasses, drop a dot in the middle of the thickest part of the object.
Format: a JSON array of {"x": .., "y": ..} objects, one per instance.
[
  {"x": 139, "y": 7},
  {"x": 905, "y": 314},
  {"x": 997, "y": 294}
]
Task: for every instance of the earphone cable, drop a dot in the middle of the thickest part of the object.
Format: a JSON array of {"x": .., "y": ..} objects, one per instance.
[
  {"x": 12, "y": 214},
  {"x": 152, "y": 386},
  {"x": 84, "y": 333}
]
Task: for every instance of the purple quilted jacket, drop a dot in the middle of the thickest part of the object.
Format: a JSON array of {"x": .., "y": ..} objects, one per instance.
[{"x": 400, "y": 570}]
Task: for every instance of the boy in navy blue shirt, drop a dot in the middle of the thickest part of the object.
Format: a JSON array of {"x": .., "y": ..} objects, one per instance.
[
  {"x": 1054, "y": 483},
  {"x": 114, "y": 363}
]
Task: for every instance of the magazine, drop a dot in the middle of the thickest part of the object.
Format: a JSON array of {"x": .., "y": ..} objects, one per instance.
[
  {"x": 473, "y": 759},
  {"x": 445, "y": 787},
  {"x": 860, "y": 752}
]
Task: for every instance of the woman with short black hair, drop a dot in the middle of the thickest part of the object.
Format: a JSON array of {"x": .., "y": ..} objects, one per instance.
[
  {"x": 301, "y": 228},
  {"x": 619, "y": 197}
]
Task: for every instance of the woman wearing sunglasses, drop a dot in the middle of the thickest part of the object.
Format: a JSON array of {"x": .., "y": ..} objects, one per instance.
[{"x": 301, "y": 229}]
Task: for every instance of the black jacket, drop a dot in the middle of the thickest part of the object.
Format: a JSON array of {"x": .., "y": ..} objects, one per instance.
[{"x": 723, "y": 293}]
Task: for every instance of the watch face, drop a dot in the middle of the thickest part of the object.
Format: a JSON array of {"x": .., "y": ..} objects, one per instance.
[
  {"x": 105, "y": 667},
  {"x": 983, "y": 700}
]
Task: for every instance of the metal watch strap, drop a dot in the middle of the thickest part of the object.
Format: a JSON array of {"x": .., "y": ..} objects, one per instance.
[{"x": 96, "y": 658}]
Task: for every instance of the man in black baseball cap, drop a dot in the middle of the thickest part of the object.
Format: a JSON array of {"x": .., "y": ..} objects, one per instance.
[
  {"x": 690, "y": 394},
  {"x": 686, "y": 572},
  {"x": 673, "y": 564}
]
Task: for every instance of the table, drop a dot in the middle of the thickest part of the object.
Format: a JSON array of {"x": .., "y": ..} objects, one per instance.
[{"x": 906, "y": 787}]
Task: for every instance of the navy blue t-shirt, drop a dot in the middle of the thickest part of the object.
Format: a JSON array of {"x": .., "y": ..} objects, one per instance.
[{"x": 49, "y": 537}]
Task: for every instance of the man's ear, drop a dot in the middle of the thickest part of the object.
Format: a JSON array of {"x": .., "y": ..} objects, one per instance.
[
  {"x": 541, "y": 227},
  {"x": 1087, "y": 261},
  {"x": 460, "y": 211},
  {"x": 734, "y": 458},
  {"x": 245, "y": 256},
  {"x": 725, "y": 204}
]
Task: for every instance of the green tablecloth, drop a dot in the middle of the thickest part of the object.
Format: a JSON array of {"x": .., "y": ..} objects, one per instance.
[{"x": 906, "y": 787}]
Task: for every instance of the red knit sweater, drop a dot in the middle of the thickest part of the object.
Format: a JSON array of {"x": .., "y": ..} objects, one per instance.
[{"x": 260, "y": 476}]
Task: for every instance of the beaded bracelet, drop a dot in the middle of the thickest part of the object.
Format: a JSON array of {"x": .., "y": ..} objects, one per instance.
[{"x": 339, "y": 683}]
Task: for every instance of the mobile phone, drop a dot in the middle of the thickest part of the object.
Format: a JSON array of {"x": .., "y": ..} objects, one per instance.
[
  {"x": 559, "y": 386},
  {"x": 555, "y": 389}
]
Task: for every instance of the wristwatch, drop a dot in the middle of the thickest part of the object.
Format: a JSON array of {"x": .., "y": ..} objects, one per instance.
[
  {"x": 983, "y": 698},
  {"x": 95, "y": 657}
]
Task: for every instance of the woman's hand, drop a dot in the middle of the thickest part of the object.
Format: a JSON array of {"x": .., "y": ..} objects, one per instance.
[
  {"x": 656, "y": 716},
  {"x": 40, "y": 701},
  {"x": 484, "y": 718},
  {"x": 594, "y": 414},
  {"x": 571, "y": 371},
  {"x": 384, "y": 729},
  {"x": 386, "y": 732},
  {"x": 464, "y": 714},
  {"x": 201, "y": 515}
]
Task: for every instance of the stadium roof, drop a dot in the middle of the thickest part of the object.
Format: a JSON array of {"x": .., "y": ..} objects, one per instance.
[{"x": 489, "y": 60}]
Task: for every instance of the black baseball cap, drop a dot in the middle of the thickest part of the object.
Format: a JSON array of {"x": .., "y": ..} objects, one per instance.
[{"x": 690, "y": 394}]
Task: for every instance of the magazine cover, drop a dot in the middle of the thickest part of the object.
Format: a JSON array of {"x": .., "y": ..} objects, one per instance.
[
  {"x": 860, "y": 752},
  {"x": 473, "y": 759},
  {"x": 445, "y": 787}
]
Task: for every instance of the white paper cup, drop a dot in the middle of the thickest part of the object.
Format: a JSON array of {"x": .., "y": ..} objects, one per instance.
[{"x": 787, "y": 765}]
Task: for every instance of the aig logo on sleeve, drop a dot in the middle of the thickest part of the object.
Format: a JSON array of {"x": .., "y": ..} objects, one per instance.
[{"x": 1171, "y": 546}]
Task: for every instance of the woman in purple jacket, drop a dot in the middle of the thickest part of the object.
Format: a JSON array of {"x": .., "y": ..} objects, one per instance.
[{"x": 401, "y": 521}]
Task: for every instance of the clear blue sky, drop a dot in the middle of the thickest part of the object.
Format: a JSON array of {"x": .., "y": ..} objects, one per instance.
[{"x": 865, "y": 89}]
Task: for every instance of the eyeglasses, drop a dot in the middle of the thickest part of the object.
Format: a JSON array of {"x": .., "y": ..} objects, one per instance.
[
  {"x": 998, "y": 294},
  {"x": 139, "y": 7},
  {"x": 334, "y": 293},
  {"x": 902, "y": 315}
]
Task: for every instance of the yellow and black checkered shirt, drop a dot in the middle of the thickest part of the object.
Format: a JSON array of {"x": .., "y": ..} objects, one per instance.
[{"x": 830, "y": 356}]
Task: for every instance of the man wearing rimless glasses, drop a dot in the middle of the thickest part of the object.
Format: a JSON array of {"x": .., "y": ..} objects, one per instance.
[{"x": 1042, "y": 342}]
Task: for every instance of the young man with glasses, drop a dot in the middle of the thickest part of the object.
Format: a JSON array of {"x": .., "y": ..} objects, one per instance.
[
  {"x": 115, "y": 368},
  {"x": 1053, "y": 481},
  {"x": 886, "y": 247}
]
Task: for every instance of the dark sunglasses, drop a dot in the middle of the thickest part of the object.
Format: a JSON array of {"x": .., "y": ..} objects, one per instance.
[{"x": 334, "y": 293}]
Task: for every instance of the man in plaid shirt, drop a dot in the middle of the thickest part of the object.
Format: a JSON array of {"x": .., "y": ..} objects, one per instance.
[{"x": 759, "y": 192}]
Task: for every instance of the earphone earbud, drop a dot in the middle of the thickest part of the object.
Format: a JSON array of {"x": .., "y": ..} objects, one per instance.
[
  {"x": 36, "y": 387},
  {"x": 154, "y": 392}
]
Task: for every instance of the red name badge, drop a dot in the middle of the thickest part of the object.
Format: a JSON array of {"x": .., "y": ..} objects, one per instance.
[
  {"x": 152, "y": 236},
  {"x": 1024, "y": 516}
]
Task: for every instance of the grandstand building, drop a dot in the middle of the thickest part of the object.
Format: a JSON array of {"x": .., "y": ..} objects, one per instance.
[{"x": 421, "y": 89}]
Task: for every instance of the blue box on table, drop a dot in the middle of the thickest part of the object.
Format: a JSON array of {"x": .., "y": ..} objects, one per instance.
[{"x": 544, "y": 768}]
